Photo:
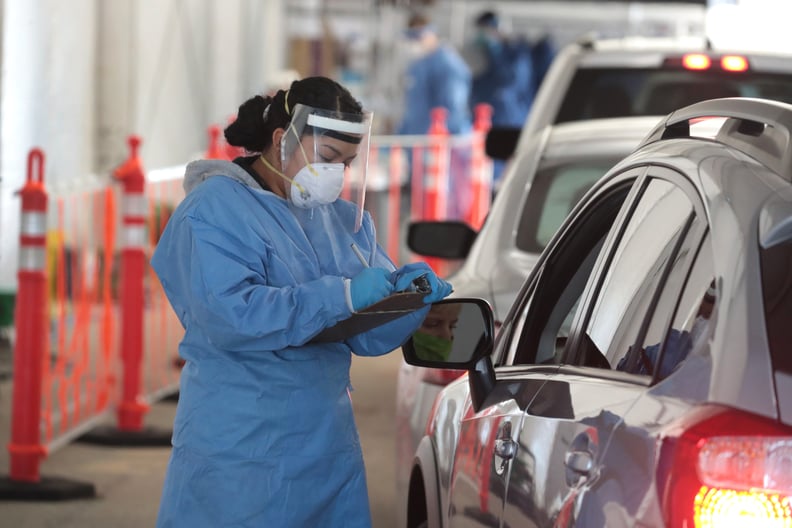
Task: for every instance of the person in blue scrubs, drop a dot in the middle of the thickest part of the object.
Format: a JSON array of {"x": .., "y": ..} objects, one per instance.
[
  {"x": 503, "y": 76},
  {"x": 438, "y": 77},
  {"x": 256, "y": 261}
]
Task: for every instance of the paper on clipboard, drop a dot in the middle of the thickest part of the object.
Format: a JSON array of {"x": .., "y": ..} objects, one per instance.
[{"x": 379, "y": 313}]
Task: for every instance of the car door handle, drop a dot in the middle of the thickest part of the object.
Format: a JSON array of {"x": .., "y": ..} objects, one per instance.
[
  {"x": 505, "y": 448},
  {"x": 579, "y": 464}
]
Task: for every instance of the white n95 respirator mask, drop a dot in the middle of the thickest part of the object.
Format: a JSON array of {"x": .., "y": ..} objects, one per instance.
[
  {"x": 317, "y": 184},
  {"x": 327, "y": 151}
]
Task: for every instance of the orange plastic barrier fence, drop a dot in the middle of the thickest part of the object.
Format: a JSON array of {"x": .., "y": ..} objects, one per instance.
[
  {"x": 431, "y": 177},
  {"x": 94, "y": 330}
]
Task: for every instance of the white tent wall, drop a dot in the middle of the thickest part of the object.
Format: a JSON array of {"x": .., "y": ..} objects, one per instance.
[
  {"x": 47, "y": 102},
  {"x": 79, "y": 77}
]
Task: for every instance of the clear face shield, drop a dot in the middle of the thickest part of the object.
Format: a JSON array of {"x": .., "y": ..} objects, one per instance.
[{"x": 324, "y": 155}]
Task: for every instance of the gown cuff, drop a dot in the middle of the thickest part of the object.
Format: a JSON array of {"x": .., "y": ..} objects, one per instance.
[{"x": 348, "y": 294}]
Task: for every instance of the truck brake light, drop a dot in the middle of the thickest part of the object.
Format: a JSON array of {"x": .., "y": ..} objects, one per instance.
[
  {"x": 696, "y": 61},
  {"x": 734, "y": 63}
]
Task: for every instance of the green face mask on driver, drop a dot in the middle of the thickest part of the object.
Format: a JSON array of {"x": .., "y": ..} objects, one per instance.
[{"x": 431, "y": 348}]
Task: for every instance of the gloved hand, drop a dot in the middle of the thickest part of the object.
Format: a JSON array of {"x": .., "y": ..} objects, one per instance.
[
  {"x": 369, "y": 286},
  {"x": 403, "y": 278}
]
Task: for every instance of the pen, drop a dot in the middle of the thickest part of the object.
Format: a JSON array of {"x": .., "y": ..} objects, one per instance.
[{"x": 360, "y": 256}]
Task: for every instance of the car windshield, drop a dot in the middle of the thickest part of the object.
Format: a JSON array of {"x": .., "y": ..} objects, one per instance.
[
  {"x": 620, "y": 92},
  {"x": 554, "y": 192}
]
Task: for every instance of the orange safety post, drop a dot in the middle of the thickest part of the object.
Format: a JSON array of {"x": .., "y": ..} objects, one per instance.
[
  {"x": 417, "y": 183},
  {"x": 131, "y": 409},
  {"x": 394, "y": 202},
  {"x": 132, "y": 406},
  {"x": 26, "y": 449},
  {"x": 30, "y": 324},
  {"x": 214, "y": 151},
  {"x": 481, "y": 170},
  {"x": 436, "y": 185}
]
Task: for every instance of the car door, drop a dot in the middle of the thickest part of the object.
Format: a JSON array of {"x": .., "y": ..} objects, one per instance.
[
  {"x": 488, "y": 436},
  {"x": 567, "y": 426}
]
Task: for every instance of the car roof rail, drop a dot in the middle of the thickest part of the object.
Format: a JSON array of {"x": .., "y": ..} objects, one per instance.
[{"x": 759, "y": 128}]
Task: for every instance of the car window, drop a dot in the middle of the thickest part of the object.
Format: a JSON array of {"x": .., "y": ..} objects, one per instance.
[
  {"x": 668, "y": 341},
  {"x": 622, "y": 92},
  {"x": 547, "y": 315},
  {"x": 777, "y": 289},
  {"x": 649, "y": 243},
  {"x": 555, "y": 190}
]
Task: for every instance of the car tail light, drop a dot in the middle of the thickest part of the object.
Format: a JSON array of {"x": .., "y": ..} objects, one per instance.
[
  {"x": 696, "y": 61},
  {"x": 734, "y": 63},
  {"x": 436, "y": 376},
  {"x": 723, "y": 467}
]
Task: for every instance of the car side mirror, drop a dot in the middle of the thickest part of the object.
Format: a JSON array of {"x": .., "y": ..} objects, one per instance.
[
  {"x": 501, "y": 142},
  {"x": 446, "y": 239},
  {"x": 455, "y": 334}
]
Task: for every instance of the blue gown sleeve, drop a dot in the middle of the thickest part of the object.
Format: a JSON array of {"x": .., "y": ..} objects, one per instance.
[
  {"x": 386, "y": 338},
  {"x": 213, "y": 280}
]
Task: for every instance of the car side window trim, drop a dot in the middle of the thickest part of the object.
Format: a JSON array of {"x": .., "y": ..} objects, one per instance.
[
  {"x": 510, "y": 343},
  {"x": 701, "y": 246},
  {"x": 593, "y": 290},
  {"x": 666, "y": 272}
]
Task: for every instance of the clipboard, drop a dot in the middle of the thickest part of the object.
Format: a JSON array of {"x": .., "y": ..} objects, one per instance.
[{"x": 379, "y": 313}]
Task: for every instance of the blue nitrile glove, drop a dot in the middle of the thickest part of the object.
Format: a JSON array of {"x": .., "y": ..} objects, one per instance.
[
  {"x": 369, "y": 286},
  {"x": 403, "y": 281}
]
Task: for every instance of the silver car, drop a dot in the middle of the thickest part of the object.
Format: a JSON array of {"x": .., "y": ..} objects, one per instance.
[
  {"x": 545, "y": 181},
  {"x": 643, "y": 375}
]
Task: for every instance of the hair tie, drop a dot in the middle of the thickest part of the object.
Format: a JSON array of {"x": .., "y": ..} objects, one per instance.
[
  {"x": 265, "y": 113},
  {"x": 286, "y": 103}
]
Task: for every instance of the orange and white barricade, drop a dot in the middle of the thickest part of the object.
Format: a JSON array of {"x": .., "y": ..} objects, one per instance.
[{"x": 36, "y": 427}]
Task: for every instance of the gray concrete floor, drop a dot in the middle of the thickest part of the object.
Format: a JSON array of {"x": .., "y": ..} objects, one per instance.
[{"x": 128, "y": 480}]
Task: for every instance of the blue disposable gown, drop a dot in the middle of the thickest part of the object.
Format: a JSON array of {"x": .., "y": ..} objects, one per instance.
[
  {"x": 438, "y": 79},
  {"x": 264, "y": 433},
  {"x": 506, "y": 83}
]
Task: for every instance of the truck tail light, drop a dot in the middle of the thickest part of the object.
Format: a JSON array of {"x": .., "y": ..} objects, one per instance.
[
  {"x": 723, "y": 467},
  {"x": 734, "y": 63},
  {"x": 696, "y": 61}
]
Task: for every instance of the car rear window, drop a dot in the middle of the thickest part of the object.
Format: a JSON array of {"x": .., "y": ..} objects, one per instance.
[
  {"x": 554, "y": 192},
  {"x": 777, "y": 289},
  {"x": 620, "y": 92}
]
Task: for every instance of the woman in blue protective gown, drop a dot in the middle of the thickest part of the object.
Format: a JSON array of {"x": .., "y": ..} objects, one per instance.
[{"x": 256, "y": 261}]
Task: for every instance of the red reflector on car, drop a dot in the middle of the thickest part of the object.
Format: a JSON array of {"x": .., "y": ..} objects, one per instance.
[
  {"x": 735, "y": 63},
  {"x": 696, "y": 61},
  {"x": 436, "y": 376}
]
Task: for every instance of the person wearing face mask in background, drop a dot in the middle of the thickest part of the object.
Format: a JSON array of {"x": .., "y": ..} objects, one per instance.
[
  {"x": 437, "y": 77},
  {"x": 503, "y": 75},
  {"x": 256, "y": 261}
]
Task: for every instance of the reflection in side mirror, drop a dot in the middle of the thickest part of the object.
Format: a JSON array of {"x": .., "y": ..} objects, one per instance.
[{"x": 454, "y": 335}]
